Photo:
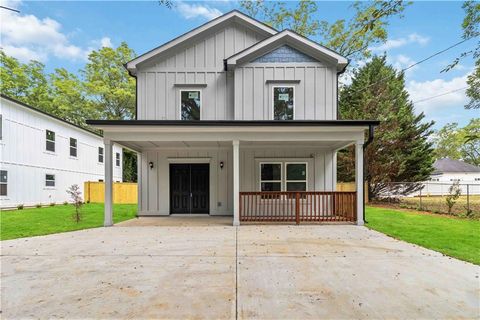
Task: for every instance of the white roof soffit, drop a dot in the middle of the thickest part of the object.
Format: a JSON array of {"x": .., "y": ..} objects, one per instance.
[
  {"x": 292, "y": 39},
  {"x": 234, "y": 15}
]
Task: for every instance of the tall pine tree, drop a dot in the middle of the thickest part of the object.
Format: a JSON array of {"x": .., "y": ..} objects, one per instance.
[{"x": 400, "y": 151}]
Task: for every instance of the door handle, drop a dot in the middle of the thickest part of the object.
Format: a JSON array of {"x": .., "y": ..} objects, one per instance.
[{"x": 191, "y": 195}]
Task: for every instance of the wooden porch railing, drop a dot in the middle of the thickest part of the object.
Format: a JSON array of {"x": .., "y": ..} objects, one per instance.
[{"x": 298, "y": 206}]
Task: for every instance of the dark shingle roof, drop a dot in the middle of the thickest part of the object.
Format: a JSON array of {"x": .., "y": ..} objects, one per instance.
[{"x": 449, "y": 165}]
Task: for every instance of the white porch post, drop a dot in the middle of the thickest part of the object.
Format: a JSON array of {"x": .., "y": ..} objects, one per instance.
[
  {"x": 359, "y": 181},
  {"x": 236, "y": 183},
  {"x": 108, "y": 213},
  {"x": 139, "y": 183}
]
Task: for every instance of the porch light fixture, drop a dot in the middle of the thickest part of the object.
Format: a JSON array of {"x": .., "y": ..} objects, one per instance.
[
  {"x": 150, "y": 164},
  {"x": 221, "y": 164}
]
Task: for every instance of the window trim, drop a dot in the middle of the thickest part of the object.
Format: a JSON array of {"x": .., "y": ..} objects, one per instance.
[
  {"x": 4, "y": 183},
  {"x": 306, "y": 173},
  {"x": 272, "y": 108},
  {"x": 260, "y": 174},
  {"x": 119, "y": 159},
  {"x": 103, "y": 155},
  {"x": 54, "y": 180},
  {"x": 180, "y": 102},
  {"x": 70, "y": 147},
  {"x": 47, "y": 140}
]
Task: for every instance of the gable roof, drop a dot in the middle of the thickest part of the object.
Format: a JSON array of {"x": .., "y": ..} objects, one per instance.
[
  {"x": 449, "y": 165},
  {"x": 233, "y": 15},
  {"x": 47, "y": 114},
  {"x": 292, "y": 39}
]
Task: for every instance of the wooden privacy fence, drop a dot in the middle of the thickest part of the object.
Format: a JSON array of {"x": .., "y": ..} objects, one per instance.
[
  {"x": 350, "y": 186},
  {"x": 123, "y": 192},
  {"x": 298, "y": 206}
]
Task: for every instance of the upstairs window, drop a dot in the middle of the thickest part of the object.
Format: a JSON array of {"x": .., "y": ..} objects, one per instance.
[
  {"x": 100, "y": 154},
  {"x": 50, "y": 144},
  {"x": 283, "y": 103},
  {"x": 3, "y": 182},
  {"x": 190, "y": 104},
  {"x": 117, "y": 159},
  {"x": 73, "y": 147},
  {"x": 49, "y": 180}
]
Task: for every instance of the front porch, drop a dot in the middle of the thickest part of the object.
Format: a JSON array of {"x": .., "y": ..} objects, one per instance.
[{"x": 276, "y": 172}]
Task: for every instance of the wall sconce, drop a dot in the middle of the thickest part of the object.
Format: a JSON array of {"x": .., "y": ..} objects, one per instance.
[
  {"x": 150, "y": 164},
  {"x": 221, "y": 164}
]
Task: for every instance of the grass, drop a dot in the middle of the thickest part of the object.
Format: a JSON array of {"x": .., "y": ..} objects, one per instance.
[
  {"x": 458, "y": 238},
  {"x": 438, "y": 204},
  {"x": 48, "y": 220}
]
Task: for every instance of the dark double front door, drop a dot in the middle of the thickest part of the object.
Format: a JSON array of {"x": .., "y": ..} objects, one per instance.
[{"x": 189, "y": 188}]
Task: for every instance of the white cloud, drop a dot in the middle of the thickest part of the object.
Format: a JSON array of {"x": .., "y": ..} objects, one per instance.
[
  {"x": 106, "y": 42},
  {"x": 401, "y": 62},
  {"x": 421, "y": 90},
  {"x": 27, "y": 37},
  {"x": 190, "y": 11},
  {"x": 413, "y": 38}
]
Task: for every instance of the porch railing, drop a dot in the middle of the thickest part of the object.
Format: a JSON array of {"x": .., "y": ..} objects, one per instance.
[{"x": 298, "y": 206}]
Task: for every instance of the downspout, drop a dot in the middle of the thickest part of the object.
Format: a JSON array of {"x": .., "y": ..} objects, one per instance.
[
  {"x": 339, "y": 73},
  {"x": 371, "y": 132}
]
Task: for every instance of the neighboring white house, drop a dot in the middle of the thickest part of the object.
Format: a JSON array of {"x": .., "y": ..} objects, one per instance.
[
  {"x": 237, "y": 118},
  {"x": 449, "y": 170},
  {"x": 42, "y": 155}
]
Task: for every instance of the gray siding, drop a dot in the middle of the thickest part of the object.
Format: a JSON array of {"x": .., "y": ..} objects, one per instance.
[
  {"x": 199, "y": 63},
  {"x": 315, "y": 93}
]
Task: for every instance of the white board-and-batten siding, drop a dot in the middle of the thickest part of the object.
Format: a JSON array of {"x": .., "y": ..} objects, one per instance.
[
  {"x": 24, "y": 156},
  {"x": 200, "y": 63},
  {"x": 155, "y": 195}
]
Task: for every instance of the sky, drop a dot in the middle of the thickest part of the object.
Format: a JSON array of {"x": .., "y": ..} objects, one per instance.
[{"x": 62, "y": 33}]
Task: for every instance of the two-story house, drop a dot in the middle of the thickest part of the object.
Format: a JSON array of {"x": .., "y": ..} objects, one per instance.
[{"x": 237, "y": 118}]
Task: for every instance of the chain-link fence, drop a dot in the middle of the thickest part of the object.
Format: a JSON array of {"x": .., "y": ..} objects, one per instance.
[{"x": 456, "y": 198}]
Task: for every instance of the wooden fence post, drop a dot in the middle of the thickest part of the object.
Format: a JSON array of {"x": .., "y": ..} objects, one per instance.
[{"x": 297, "y": 208}]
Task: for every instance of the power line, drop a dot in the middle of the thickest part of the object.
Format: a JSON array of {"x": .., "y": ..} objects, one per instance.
[
  {"x": 7, "y": 8},
  {"x": 439, "y": 95},
  {"x": 415, "y": 64}
]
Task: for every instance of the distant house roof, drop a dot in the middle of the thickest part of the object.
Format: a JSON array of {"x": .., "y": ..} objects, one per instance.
[{"x": 449, "y": 165}]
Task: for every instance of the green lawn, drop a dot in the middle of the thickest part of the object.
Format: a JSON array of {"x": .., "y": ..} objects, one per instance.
[
  {"x": 41, "y": 221},
  {"x": 459, "y": 238}
]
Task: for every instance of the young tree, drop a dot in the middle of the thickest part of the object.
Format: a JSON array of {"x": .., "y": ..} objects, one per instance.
[
  {"x": 108, "y": 84},
  {"x": 459, "y": 143},
  {"x": 400, "y": 151},
  {"x": 351, "y": 38},
  {"x": 77, "y": 201}
]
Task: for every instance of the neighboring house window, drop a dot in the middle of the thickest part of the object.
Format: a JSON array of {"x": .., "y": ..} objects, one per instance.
[
  {"x": 296, "y": 176},
  {"x": 434, "y": 179},
  {"x": 117, "y": 159},
  {"x": 50, "y": 141},
  {"x": 283, "y": 103},
  {"x": 477, "y": 179},
  {"x": 190, "y": 104},
  {"x": 455, "y": 180},
  {"x": 73, "y": 147},
  {"x": 270, "y": 176},
  {"x": 3, "y": 182},
  {"x": 100, "y": 154},
  {"x": 50, "y": 180}
]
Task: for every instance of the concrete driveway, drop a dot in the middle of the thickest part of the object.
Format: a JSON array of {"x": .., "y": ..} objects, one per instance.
[{"x": 220, "y": 272}]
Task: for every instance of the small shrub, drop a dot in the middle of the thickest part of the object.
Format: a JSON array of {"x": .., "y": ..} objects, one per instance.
[
  {"x": 454, "y": 193},
  {"x": 76, "y": 195},
  {"x": 20, "y": 207},
  {"x": 38, "y": 205},
  {"x": 52, "y": 204},
  {"x": 65, "y": 203}
]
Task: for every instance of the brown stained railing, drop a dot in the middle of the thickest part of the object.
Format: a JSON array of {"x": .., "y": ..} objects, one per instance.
[{"x": 298, "y": 206}]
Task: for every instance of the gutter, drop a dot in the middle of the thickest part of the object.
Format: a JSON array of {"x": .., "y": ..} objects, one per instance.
[
  {"x": 136, "y": 89},
  {"x": 371, "y": 131}
]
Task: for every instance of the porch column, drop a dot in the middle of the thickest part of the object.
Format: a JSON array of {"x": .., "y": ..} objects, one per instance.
[
  {"x": 108, "y": 210},
  {"x": 359, "y": 181},
  {"x": 236, "y": 183}
]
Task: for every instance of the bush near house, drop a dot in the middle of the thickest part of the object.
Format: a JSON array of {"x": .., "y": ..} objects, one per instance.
[{"x": 48, "y": 220}]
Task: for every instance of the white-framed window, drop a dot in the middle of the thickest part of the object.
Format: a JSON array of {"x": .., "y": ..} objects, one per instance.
[
  {"x": 100, "y": 154},
  {"x": 283, "y": 176},
  {"x": 73, "y": 147},
  {"x": 3, "y": 182},
  {"x": 270, "y": 176},
  {"x": 49, "y": 180},
  {"x": 190, "y": 104},
  {"x": 50, "y": 140},
  {"x": 455, "y": 180},
  {"x": 283, "y": 102},
  {"x": 435, "y": 179},
  {"x": 117, "y": 159},
  {"x": 296, "y": 176},
  {"x": 477, "y": 179}
]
